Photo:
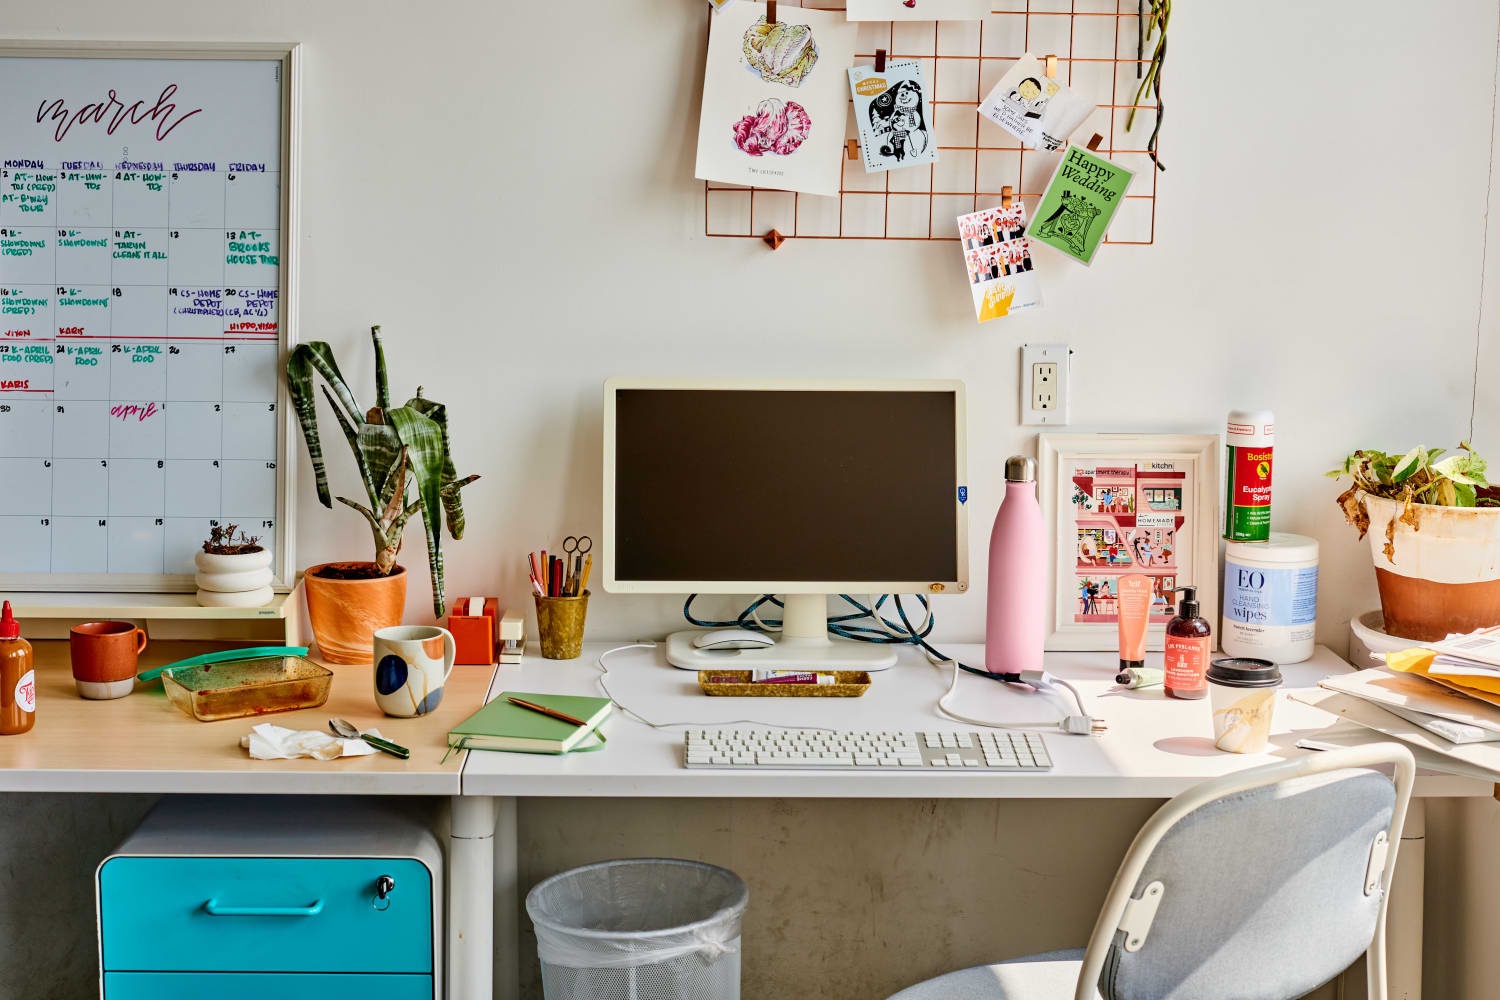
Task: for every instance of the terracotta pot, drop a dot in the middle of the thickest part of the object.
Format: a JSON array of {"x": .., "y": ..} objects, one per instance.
[
  {"x": 346, "y": 614},
  {"x": 1444, "y": 575}
]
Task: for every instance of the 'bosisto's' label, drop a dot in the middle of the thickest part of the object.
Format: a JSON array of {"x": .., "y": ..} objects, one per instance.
[{"x": 1247, "y": 493}]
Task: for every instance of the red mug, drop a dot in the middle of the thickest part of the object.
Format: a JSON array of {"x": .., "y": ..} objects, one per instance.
[{"x": 104, "y": 657}]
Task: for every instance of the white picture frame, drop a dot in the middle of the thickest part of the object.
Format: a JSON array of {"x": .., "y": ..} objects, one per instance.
[
  {"x": 1172, "y": 478},
  {"x": 288, "y": 56}
]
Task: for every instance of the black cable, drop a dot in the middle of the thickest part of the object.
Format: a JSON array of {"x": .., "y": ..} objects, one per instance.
[{"x": 905, "y": 634}]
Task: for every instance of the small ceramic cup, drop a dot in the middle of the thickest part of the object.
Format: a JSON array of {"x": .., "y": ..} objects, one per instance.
[
  {"x": 412, "y": 663},
  {"x": 105, "y": 656}
]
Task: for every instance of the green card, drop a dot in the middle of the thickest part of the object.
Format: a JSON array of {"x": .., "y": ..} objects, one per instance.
[{"x": 1080, "y": 200}]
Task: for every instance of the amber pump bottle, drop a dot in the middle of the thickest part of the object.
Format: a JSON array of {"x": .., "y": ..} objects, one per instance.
[
  {"x": 1189, "y": 646},
  {"x": 17, "y": 678}
]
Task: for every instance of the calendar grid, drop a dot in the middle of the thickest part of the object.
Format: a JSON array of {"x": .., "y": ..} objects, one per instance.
[{"x": 160, "y": 377}]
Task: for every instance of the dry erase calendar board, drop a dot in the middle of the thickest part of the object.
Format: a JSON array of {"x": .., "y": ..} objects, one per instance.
[{"x": 144, "y": 216}]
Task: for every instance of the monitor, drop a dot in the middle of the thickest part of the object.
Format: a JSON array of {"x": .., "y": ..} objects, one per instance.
[{"x": 797, "y": 488}]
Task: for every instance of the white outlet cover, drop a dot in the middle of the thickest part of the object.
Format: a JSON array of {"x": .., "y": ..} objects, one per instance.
[{"x": 1040, "y": 354}]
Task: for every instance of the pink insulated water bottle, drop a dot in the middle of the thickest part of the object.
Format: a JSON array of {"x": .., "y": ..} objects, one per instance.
[{"x": 1015, "y": 624}]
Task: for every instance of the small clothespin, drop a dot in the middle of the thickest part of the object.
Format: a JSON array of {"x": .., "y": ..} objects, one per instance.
[
  {"x": 1007, "y": 195},
  {"x": 880, "y": 60},
  {"x": 770, "y": 11},
  {"x": 852, "y": 149},
  {"x": 1094, "y": 142},
  {"x": 1051, "y": 66},
  {"x": 774, "y": 240}
]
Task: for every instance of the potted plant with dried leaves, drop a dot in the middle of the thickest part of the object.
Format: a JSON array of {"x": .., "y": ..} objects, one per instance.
[
  {"x": 233, "y": 574},
  {"x": 402, "y": 453},
  {"x": 1436, "y": 546}
]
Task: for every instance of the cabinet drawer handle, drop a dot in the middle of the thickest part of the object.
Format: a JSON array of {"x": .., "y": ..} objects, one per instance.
[{"x": 218, "y": 909}]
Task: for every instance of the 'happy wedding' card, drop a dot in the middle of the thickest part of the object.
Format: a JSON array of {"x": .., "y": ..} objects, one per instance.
[{"x": 775, "y": 99}]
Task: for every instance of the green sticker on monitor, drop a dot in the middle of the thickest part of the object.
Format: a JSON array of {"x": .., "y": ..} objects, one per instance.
[{"x": 1085, "y": 192}]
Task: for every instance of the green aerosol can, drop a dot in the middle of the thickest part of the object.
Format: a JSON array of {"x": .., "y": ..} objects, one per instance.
[{"x": 1248, "y": 444}]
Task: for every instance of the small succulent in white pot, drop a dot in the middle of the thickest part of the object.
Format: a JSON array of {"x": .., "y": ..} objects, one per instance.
[{"x": 233, "y": 574}]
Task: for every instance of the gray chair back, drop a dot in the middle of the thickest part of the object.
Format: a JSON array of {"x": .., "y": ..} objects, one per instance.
[{"x": 1263, "y": 893}]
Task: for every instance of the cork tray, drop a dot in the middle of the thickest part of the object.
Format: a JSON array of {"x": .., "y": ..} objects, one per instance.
[{"x": 846, "y": 684}]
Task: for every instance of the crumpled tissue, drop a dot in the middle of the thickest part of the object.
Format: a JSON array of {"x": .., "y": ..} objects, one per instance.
[{"x": 268, "y": 742}]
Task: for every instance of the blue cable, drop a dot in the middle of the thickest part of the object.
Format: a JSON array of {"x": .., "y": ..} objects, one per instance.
[{"x": 905, "y": 634}]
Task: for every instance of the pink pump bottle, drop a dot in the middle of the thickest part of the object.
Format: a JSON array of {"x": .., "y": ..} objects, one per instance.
[{"x": 1015, "y": 624}]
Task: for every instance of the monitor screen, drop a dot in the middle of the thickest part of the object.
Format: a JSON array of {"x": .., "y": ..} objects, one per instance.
[{"x": 762, "y": 485}]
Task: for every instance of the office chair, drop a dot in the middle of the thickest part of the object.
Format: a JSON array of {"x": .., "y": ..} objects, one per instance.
[{"x": 1260, "y": 885}]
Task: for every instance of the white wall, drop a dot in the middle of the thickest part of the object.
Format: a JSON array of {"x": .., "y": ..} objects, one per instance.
[
  {"x": 1318, "y": 252},
  {"x": 1318, "y": 236}
]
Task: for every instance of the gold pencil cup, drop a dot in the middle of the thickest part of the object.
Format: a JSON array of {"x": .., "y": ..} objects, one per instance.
[{"x": 559, "y": 624}]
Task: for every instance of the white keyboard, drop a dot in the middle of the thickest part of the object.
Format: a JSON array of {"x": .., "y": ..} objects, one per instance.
[{"x": 775, "y": 749}]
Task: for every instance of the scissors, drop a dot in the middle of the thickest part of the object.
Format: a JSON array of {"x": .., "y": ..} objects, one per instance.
[{"x": 575, "y": 548}]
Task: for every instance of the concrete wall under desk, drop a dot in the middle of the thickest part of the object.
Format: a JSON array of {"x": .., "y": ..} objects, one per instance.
[{"x": 849, "y": 898}]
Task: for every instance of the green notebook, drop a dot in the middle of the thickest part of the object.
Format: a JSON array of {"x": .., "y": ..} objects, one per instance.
[{"x": 503, "y": 726}]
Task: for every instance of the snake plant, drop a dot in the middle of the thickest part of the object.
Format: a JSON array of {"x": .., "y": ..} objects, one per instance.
[{"x": 398, "y": 449}]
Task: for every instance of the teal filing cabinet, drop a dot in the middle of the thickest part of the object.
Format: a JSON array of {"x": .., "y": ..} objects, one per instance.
[{"x": 268, "y": 898}]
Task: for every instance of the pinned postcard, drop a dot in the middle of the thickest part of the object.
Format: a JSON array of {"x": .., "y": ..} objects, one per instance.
[
  {"x": 719, "y": 5},
  {"x": 774, "y": 99},
  {"x": 1081, "y": 198},
  {"x": 892, "y": 112},
  {"x": 998, "y": 257},
  {"x": 1039, "y": 110},
  {"x": 917, "y": 10}
]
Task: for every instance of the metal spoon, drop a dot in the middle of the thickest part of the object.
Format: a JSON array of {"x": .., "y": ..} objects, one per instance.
[{"x": 343, "y": 729}]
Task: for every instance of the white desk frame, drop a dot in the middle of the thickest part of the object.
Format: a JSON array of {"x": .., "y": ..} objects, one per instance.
[{"x": 1155, "y": 748}]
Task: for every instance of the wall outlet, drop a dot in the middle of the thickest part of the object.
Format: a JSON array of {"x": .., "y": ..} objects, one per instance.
[{"x": 1044, "y": 383}]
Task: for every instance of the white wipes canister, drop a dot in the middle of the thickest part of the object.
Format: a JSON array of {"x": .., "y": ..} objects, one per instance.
[{"x": 1271, "y": 598}]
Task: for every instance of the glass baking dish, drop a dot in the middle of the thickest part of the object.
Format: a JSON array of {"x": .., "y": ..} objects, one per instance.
[{"x": 233, "y": 690}]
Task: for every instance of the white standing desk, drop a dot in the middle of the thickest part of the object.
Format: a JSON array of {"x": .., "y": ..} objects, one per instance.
[{"x": 1155, "y": 747}]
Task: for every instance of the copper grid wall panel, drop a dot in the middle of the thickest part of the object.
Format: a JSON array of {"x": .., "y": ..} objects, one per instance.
[{"x": 1095, "y": 42}]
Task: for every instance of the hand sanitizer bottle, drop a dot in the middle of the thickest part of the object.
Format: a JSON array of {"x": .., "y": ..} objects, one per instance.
[{"x": 1015, "y": 625}]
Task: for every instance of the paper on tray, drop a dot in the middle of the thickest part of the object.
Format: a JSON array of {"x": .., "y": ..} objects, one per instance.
[
  {"x": 268, "y": 742},
  {"x": 1348, "y": 734},
  {"x": 1398, "y": 692},
  {"x": 1481, "y": 755}
]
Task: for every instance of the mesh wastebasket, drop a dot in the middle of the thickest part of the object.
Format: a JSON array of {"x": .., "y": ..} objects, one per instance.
[{"x": 642, "y": 929}]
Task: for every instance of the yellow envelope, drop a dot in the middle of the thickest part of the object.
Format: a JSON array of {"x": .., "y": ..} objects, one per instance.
[{"x": 1419, "y": 661}]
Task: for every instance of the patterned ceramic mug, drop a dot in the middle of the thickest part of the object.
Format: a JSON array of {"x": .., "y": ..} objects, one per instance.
[{"x": 412, "y": 663}]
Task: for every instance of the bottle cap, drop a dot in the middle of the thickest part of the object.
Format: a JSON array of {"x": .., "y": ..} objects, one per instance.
[
  {"x": 1020, "y": 469},
  {"x": 1243, "y": 672},
  {"x": 1130, "y": 665},
  {"x": 9, "y": 627},
  {"x": 1188, "y": 607}
]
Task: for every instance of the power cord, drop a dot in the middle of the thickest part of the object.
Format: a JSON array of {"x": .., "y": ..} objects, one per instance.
[
  {"x": 883, "y": 630},
  {"x": 604, "y": 686}
]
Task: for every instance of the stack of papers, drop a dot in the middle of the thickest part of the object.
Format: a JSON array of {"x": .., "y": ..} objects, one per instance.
[{"x": 1442, "y": 700}]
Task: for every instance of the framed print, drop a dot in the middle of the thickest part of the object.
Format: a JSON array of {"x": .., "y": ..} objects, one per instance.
[{"x": 1126, "y": 503}]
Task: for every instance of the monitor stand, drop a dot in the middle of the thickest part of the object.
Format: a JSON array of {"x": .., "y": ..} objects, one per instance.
[{"x": 802, "y": 644}]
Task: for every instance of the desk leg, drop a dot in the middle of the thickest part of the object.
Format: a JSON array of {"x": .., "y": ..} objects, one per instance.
[
  {"x": 471, "y": 860},
  {"x": 507, "y": 902},
  {"x": 1404, "y": 917}
]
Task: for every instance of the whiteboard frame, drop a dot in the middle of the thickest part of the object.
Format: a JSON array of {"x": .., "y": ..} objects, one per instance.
[{"x": 289, "y": 54}]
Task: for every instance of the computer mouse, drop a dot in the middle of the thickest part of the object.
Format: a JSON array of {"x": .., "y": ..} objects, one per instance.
[{"x": 733, "y": 638}]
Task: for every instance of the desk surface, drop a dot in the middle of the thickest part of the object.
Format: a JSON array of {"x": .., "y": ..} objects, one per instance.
[
  {"x": 142, "y": 743},
  {"x": 1155, "y": 747}
]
